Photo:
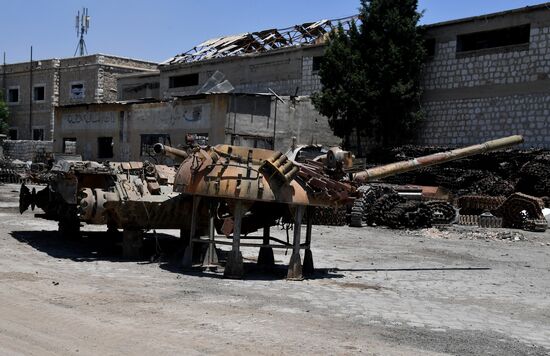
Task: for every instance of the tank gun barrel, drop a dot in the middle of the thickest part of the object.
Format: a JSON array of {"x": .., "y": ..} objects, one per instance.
[
  {"x": 436, "y": 158},
  {"x": 172, "y": 152}
]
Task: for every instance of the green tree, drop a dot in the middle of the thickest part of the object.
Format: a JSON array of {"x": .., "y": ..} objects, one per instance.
[
  {"x": 3, "y": 115},
  {"x": 371, "y": 75}
]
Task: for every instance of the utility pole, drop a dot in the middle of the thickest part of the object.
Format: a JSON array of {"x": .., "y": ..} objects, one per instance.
[
  {"x": 4, "y": 78},
  {"x": 30, "y": 97}
]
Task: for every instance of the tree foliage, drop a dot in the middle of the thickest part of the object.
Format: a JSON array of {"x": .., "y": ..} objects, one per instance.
[
  {"x": 371, "y": 74},
  {"x": 3, "y": 115}
]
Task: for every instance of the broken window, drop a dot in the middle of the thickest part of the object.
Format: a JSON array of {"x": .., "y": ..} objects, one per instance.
[
  {"x": 316, "y": 65},
  {"x": 429, "y": 47},
  {"x": 38, "y": 93},
  {"x": 187, "y": 80},
  {"x": 77, "y": 91},
  {"x": 496, "y": 38},
  {"x": 38, "y": 134},
  {"x": 13, "y": 95},
  {"x": 149, "y": 140},
  {"x": 69, "y": 145},
  {"x": 13, "y": 134},
  {"x": 104, "y": 147}
]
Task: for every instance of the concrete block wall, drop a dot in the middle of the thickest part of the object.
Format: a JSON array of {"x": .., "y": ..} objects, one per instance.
[
  {"x": 471, "y": 121},
  {"x": 475, "y": 96},
  {"x": 26, "y": 150},
  {"x": 311, "y": 81}
]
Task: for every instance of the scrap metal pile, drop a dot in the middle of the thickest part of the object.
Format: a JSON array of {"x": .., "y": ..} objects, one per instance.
[{"x": 496, "y": 189}]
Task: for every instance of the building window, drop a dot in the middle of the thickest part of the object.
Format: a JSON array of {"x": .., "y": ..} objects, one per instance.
[
  {"x": 69, "y": 145},
  {"x": 316, "y": 65},
  {"x": 182, "y": 81},
  {"x": 13, "y": 95},
  {"x": 13, "y": 134},
  {"x": 149, "y": 140},
  {"x": 104, "y": 147},
  {"x": 77, "y": 91},
  {"x": 38, "y": 134},
  {"x": 509, "y": 36},
  {"x": 429, "y": 46},
  {"x": 38, "y": 93}
]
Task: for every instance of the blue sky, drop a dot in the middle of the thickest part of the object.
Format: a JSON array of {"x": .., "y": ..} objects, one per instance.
[{"x": 158, "y": 30}]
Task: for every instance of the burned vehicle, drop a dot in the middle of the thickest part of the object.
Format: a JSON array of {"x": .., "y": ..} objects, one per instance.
[{"x": 219, "y": 195}]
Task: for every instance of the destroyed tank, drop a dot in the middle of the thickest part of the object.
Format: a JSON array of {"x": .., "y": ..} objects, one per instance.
[{"x": 222, "y": 190}]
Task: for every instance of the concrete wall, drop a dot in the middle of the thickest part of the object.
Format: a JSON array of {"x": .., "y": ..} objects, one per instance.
[
  {"x": 126, "y": 123},
  {"x": 286, "y": 71},
  {"x": 479, "y": 95},
  {"x": 295, "y": 116},
  {"x": 138, "y": 86},
  {"x": 243, "y": 120}
]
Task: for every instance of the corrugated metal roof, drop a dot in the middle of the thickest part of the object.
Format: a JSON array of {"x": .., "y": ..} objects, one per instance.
[{"x": 261, "y": 41}]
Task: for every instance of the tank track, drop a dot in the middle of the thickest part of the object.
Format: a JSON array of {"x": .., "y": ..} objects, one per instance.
[
  {"x": 477, "y": 204},
  {"x": 442, "y": 212},
  {"x": 521, "y": 211},
  {"x": 329, "y": 216}
]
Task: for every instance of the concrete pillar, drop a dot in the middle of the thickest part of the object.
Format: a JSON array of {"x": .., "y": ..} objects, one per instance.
[
  {"x": 295, "y": 264},
  {"x": 308, "y": 267},
  {"x": 132, "y": 242},
  {"x": 234, "y": 267},
  {"x": 188, "y": 254},
  {"x": 265, "y": 257}
]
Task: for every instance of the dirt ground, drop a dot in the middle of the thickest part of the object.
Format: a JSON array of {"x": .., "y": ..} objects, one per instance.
[{"x": 461, "y": 291}]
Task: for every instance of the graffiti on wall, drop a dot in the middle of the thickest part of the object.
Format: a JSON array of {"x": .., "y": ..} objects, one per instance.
[
  {"x": 89, "y": 120},
  {"x": 171, "y": 116}
]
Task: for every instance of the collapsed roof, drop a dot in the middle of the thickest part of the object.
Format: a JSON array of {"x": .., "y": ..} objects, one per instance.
[{"x": 262, "y": 41}]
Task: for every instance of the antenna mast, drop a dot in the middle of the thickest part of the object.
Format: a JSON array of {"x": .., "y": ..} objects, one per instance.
[{"x": 82, "y": 25}]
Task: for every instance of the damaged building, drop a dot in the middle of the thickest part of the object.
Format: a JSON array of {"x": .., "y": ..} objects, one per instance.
[
  {"x": 34, "y": 89},
  {"x": 485, "y": 76}
]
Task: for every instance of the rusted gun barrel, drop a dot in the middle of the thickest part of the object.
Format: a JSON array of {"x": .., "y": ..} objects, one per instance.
[
  {"x": 436, "y": 158},
  {"x": 171, "y": 152}
]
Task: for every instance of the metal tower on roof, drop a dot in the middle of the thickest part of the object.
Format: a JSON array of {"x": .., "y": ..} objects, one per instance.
[{"x": 82, "y": 25}]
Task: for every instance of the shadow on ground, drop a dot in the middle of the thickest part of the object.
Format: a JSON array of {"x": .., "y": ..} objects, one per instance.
[{"x": 157, "y": 248}]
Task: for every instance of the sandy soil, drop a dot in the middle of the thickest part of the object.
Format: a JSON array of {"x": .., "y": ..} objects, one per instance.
[{"x": 376, "y": 291}]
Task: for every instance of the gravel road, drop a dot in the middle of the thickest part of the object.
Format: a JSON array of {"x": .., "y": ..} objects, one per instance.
[{"x": 459, "y": 291}]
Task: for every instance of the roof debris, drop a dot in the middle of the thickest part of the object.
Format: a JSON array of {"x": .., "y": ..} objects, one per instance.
[{"x": 262, "y": 41}]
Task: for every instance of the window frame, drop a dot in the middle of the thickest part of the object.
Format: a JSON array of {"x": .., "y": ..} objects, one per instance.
[
  {"x": 16, "y": 133},
  {"x": 13, "y": 87},
  {"x": 38, "y": 128},
  {"x": 40, "y": 85},
  {"x": 99, "y": 150},
  {"x": 172, "y": 80},
  {"x": 79, "y": 82}
]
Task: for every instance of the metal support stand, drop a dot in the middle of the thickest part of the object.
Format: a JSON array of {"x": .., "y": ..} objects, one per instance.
[
  {"x": 265, "y": 257},
  {"x": 295, "y": 264},
  {"x": 211, "y": 257},
  {"x": 308, "y": 267},
  {"x": 234, "y": 266},
  {"x": 188, "y": 254},
  {"x": 132, "y": 242}
]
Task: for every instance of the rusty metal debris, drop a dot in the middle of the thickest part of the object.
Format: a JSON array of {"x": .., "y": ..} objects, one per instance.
[{"x": 223, "y": 195}]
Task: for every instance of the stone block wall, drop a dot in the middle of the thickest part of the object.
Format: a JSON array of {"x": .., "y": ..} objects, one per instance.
[
  {"x": 27, "y": 150},
  {"x": 475, "y": 96},
  {"x": 311, "y": 81},
  {"x": 470, "y": 121}
]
